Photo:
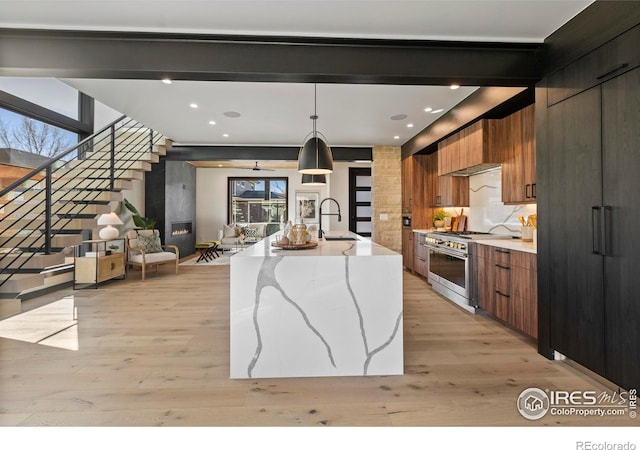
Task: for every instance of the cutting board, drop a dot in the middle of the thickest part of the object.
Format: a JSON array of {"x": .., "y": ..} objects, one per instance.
[
  {"x": 454, "y": 223},
  {"x": 462, "y": 222}
]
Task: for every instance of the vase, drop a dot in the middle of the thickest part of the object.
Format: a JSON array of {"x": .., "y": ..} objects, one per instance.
[
  {"x": 438, "y": 223},
  {"x": 297, "y": 236}
]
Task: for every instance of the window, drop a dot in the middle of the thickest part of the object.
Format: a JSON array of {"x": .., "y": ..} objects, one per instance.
[
  {"x": 30, "y": 135},
  {"x": 257, "y": 200}
]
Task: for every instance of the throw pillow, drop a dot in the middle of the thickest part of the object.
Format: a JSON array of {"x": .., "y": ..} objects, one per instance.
[
  {"x": 251, "y": 233},
  {"x": 230, "y": 231},
  {"x": 150, "y": 244}
]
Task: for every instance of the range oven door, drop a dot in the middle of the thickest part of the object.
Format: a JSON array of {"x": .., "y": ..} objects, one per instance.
[{"x": 450, "y": 269}]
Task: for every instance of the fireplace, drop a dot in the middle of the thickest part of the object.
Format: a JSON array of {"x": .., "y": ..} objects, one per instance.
[{"x": 180, "y": 228}]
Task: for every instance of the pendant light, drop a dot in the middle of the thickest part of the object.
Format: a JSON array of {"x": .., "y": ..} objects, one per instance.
[
  {"x": 314, "y": 180},
  {"x": 315, "y": 156}
]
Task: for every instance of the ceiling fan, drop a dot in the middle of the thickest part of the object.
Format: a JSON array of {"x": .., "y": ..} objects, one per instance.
[{"x": 258, "y": 168}]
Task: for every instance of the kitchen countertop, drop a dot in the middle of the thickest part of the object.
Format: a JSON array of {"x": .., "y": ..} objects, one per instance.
[
  {"x": 361, "y": 247},
  {"x": 510, "y": 243}
]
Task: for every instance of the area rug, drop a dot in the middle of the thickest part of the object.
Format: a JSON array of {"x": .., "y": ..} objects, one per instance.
[{"x": 222, "y": 260}]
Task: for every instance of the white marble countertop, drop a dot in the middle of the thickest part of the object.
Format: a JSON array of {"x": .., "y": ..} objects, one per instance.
[
  {"x": 510, "y": 243},
  {"x": 362, "y": 247}
]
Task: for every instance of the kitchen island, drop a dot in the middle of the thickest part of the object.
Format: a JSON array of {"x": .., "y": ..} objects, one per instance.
[{"x": 333, "y": 310}]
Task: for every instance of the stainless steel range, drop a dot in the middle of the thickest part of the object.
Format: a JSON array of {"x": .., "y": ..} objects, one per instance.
[{"x": 450, "y": 264}]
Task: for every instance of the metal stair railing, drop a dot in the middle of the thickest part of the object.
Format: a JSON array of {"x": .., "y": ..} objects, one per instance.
[{"x": 126, "y": 141}]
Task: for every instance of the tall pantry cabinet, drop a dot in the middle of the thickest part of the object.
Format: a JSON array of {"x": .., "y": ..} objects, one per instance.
[{"x": 588, "y": 188}]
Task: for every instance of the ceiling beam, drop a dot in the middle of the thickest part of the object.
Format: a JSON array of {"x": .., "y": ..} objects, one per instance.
[
  {"x": 126, "y": 55},
  {"x": 253, "y": 153}
]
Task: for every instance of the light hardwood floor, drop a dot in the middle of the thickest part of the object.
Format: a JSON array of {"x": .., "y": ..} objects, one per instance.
[{"x": 157, "y": 353}]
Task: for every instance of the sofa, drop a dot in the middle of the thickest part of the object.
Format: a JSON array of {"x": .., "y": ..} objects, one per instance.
[{"x": 253, "y": 232}]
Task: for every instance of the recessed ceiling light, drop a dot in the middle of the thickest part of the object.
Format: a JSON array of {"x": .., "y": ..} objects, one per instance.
[
  {"x": 398, "y": 117},
  {"x": 232, "y": 114},
  {"x": 396, "y": 137},
  {"x": 453, "y": 87},
  {"x": 193, "y": 105},
  {"x": 225, "y": 135},
  {"x": 409, "y": 125},
  {"x": 436, "y": 111},
  {"x": 212, "y": 122},
  {"x": 219, "y": 165},
  {"x": 428, "y": 109},
  {"x": 167, "y": 81}
]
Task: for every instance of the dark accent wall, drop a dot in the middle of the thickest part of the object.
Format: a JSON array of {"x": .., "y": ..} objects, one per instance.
[{"x": 170, "y": 196}]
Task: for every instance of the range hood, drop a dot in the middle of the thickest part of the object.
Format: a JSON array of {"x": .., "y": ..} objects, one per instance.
[
  {"x": 474, "y": 170},
  {"x": 472, "y": 150}
]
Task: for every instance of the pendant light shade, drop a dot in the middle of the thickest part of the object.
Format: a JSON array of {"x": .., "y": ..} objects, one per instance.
[
  {"x": 313, "y": 180},
  {"x": 315, "y": 157}
]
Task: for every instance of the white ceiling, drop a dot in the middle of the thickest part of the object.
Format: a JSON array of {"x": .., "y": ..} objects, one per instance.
[{"x": 278, "y": 113}]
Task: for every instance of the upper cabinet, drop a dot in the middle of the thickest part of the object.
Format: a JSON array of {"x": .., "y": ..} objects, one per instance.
[
  {"x": 469, "y": 151},
  {"x": 445, "y": 190},
  {"x": 407, "y": 184},
  {"x": 608, "y": 61},
  {"x": 517, "y": 144}
]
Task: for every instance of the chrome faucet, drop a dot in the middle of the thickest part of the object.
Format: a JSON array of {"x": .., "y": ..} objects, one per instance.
[{"x": 327, "y": 214}]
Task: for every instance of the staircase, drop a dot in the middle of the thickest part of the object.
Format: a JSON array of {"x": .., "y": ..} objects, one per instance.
[{"x": 43, "y": 214}]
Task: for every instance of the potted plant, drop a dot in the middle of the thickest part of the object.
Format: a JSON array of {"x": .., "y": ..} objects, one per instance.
[
  {"x": 438, "y": 218},
  {"x": 141, "y": 222}
]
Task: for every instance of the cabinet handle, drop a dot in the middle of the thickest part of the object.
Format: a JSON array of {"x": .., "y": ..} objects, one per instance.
[
  {"x": 612, "y": 71},
  {"x": 533, "y": 190},
  {"x": 595, "y": 235},
  {"x": 526, "y": 191},
  {"x": 113, "y": 266},
  {"x": 503, "y": 267},
  {"x": 499, "y": 250},
  {"x": 438, "y": 199},
  {"x": 606, "y": 226},
  {"x": 502, "y": 294}
]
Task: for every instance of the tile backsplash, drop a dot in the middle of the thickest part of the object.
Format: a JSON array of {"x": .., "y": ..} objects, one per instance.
[{"x": 486, "y": 211}]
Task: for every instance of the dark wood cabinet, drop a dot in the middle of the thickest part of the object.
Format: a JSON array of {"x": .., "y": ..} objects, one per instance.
[
  {"x": 608, "y": 61},
  {"x": 506, "y": 286},
  {"x": 420, "y": 255},
  {"x": 589, "y": 251},
  {"x": 621, "y": 213},
  {"x": 518, "y": 147}
]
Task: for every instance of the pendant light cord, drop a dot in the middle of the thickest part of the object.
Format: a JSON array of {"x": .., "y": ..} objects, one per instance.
[{"x": 315, "y": 109}]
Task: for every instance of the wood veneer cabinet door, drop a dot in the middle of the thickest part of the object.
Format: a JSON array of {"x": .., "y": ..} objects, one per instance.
[
  {"x": 573, "y": 188},
  {"x": 621, "y": 164},
  {"x": 407, "y": 248},
  {"x": 449, "y": 154},
  {"x": 515, "y": 137},
  {"x": 529, "y": 153},
  {"x": 407, "y": 184},
  {"x": 420, "y": 214},
  {"x": 524, "y": 292},
  {"x": 486, "y": 285}
]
